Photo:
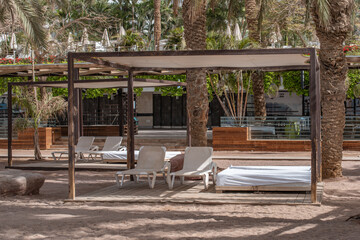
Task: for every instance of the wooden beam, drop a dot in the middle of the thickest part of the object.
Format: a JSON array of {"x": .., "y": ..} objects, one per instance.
[
  {"x": 155, "y": 82},
  {"x": 9, "y": 124},
  {"x": 83, "y": 55},
  {"x": 130, "y": 124},
  {"x": 99, "y": 61},
  {"x": 71, "y": 138}
]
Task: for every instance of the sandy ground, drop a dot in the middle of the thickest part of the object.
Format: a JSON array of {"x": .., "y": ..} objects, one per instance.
[{"x": 46, "y": 216}]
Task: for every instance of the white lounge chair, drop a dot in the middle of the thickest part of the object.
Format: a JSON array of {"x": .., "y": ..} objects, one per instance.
[
  {"x": 197, "y": 162},
  {"x": 150, "y": 161},
  {"x": 84, "y": 144},
  {"x": 112, "y": 145}
]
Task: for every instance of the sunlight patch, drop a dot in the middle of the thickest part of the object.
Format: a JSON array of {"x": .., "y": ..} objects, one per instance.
[
  {"x": 298, "y": 229},
  {"x": 55, "y": 216}
]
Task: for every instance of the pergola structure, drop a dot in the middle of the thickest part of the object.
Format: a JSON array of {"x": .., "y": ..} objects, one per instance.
[
  {"x": 210, "y": 60},
  {"x": 74, "y": 103}
]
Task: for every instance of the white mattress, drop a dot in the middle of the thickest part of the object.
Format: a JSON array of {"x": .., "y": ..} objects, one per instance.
[
  {"x": 123, "y": 154},
  {"x": 265, "y": 176}
]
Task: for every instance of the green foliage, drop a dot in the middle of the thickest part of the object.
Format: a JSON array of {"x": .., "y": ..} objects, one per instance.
[
  {"x": 38, "y": 107},
  {"x": 292, "y": 82},
  {"x": 352, "y": 80},
  {"x": 20, "y": 124},
  {"x": 218, "y": 41},
  {"x": 175, "y": 39},
  {"x": 132, "y": 41},
  {"x": 271, "y": 78}
]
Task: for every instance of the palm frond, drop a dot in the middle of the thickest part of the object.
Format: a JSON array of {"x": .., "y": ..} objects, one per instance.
[
  {"x": 31, "y": 17},
  {"x": 323, "y": 7}
]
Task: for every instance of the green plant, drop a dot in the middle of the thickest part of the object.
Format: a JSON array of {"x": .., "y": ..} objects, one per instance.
[{"x": 37, "y": 107}]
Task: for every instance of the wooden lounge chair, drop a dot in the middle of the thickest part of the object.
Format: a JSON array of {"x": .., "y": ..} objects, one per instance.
[
  {"x": 112, "y": 145},
  {"x": 197, "y": 162},
  {"x": 84, "y": 144},
  {"x": 151, "y": 160}
]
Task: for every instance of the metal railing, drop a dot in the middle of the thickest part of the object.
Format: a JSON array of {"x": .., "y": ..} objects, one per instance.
[
  {"x": 4, "y": 125},
  {"x": 287, "y": 127}
]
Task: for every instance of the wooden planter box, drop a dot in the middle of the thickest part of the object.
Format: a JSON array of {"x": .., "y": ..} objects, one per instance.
[
  {"x": 25, "y": 139},
  {"x": 237, "y": 138}
]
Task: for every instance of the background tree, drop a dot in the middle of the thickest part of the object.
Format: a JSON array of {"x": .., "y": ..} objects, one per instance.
[
  {"x": 333, "y": 24},
  {"x": 253, "y": 18},
  {"x": 194, "y": 16},
  {"x": 157, "y": 24}
]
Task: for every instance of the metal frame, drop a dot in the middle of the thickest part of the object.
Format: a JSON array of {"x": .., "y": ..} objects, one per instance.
[{"x": 95, "y": 58}]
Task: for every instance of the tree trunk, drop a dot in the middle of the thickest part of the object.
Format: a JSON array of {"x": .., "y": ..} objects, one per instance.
[
  {"x": 259, "y": 94},
  {"x": 37, "y": 152},
  {"x": 252, "y": 10},
  {"x": 194, "y": 16},
  {"x": 157, "y": 24},
  {"x": 333, "y": 70},
  {"x": 252, "y": 18}
]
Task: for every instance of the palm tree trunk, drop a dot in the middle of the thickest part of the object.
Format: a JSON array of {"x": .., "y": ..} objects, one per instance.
[
  {"x": 157, "y": 24},
  {"x": 333, "y": 70},
  {"x": 259, "y": 94},
  {"x": 194, "y": 16},
  {"x": 37, "y": 152},
  {"x": 252, "y": 18},
  {"x": 252, "y": 10},
  {"x": 333, "y": 75}
]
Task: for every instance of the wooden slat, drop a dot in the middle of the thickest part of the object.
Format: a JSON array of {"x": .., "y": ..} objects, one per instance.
[
  {"x": 261, "y": 188},
  {"x": 190, "y": 192}
]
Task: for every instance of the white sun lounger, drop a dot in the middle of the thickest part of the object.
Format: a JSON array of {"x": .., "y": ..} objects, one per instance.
[
  {"x": 112, "y": 145},
  {"x": 84, "y": 144},
  {"x": 150, "y": 161},
  {"x": 197, "y": 162}
]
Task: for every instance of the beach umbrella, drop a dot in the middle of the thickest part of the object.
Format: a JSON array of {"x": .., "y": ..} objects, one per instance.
[
  {"x": 122, "y": 31},
  {"x": 13, "y": 43},
  {"x": 85, "y": 37},
  {"x": 278, "y": 34},
  {"x": 105, "y": 39},
  {"x": 228, "y": 31},
  {"x": 237, "y": 32},
  {"x": 70, "y": 41}
]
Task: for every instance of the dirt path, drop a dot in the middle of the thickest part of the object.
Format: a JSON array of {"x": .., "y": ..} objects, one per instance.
[{"x": 46, "y": 216}]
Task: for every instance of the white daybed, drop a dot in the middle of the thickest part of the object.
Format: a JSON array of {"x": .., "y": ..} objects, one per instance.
[{"x": 264, "y": 178}]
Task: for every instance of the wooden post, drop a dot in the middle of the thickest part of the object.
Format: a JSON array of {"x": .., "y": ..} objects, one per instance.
[
  {"x": 315, "y": 122},
  {"x": 188, "y": 128},
  {"x": 130, "y": 123},
  {"x": 188, "y": 123},
  {"x": 9, "y": 124},
  {"x": 318, "y": 123},
  {"x": 71, "y": 126},
  {"x": 77, "y": 108},
  {"x": 121, "y": 112},
  {"x": 76, "y": 116},
  {"x": 81, "y": 110}
]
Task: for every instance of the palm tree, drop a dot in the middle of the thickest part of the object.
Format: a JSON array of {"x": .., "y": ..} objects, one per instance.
[
  {"x": 333, "y": 24},
  {"x": 30, "y": 14},
  {"x": 157, "y": 24},
  {"x": 194, "y": 16},
  {"x": 37, "y": 108},
  {"x": 253, "y": 15}
]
